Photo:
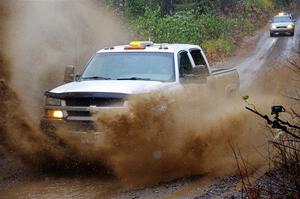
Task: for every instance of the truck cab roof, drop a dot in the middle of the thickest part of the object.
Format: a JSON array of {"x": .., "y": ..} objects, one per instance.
[{"x": 148, "y": 46}]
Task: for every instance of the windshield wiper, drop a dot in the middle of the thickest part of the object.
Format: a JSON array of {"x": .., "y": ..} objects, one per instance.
[
  {"x": 97, "y": 77},
  {"x": 133, "y": 78}
]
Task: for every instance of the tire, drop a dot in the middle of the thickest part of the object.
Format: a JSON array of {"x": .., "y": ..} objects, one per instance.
[
  {"x": 271, "y": 34},
  {"x": 292, "y": 34}
]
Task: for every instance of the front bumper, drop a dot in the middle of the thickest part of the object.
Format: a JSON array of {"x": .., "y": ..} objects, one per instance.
[
  {"x": 82, "y": 113},
  {"x": 79, "y": 128},
  {"x": 281, "y": 30},
  {"x": 55, "y": 124},
  {"x": 83, "y": 132}
]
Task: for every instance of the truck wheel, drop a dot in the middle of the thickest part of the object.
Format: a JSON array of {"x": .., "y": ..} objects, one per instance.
[{"x": 271, "y": 34}]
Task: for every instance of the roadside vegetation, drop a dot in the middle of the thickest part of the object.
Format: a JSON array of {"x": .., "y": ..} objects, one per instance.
[
  {"x": 282, "y": 178},
  {"x": 217, "y": 25}
]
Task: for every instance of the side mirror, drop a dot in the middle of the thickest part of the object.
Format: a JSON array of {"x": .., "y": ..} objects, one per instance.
[
  {"x": 77, "y": 77},
  {"x": 198, "y": 70},
  {"x": 199, "y": 74},
  {"x": 69, "y": 75}
]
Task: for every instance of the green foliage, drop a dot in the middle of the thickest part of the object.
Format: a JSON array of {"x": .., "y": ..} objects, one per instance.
[
  {"x": 282, "y": 3},
  {"x": 218, "y": 48},
  {"x": 257, "y": 6},
  {"x": 199, "y": 7},
  {"x": 211, "y": 31},
  {"x": 182, "y": 27},
  {"x": 216, "y": 25},
  {"x": 132, "y": 7},
  {"x": 245, "y": 97},
  {"x": 138, "y": 7}
]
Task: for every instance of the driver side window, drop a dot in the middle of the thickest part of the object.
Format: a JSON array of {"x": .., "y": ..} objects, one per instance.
[{"x": 185, "y": 65}]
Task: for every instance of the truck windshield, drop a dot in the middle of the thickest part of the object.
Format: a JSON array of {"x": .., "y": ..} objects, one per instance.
[
  {"x": 282, "y": 19},
  {"x": 149, "y": 66}
]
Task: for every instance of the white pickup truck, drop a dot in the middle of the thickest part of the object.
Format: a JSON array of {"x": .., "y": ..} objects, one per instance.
[{"x": 113, "y": 74}]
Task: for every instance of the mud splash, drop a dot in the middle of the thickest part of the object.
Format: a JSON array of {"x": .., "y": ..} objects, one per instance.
[
  {"x": 38, "y": 38},
  {"x": 191, "y": 135},
  {"x": 42, "y": 37}
]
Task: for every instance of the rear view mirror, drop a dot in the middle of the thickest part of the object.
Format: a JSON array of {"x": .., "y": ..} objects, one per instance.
[
  {"x": 69, "y": 74},
  {"x": 77, "y": 77},
  {"x": 198, "y": 70},
  {"x": 198, "y": 75}
]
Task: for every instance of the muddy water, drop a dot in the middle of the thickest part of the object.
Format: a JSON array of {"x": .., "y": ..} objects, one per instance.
[{"x": 81, "y": 188}]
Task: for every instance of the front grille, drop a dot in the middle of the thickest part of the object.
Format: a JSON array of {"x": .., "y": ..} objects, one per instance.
[
  {"x": 91, "y": 101},
  {"x": 100, "y": 102},
  {"x": 80, "y": 113},
  {"x": 281, "y": 27}
]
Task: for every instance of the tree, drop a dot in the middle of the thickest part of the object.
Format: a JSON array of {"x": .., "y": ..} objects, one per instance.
[{"x": 167, "y": 7}]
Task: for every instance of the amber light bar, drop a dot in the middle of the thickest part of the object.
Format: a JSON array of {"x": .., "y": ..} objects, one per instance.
[{"x": 134, "y": 48}]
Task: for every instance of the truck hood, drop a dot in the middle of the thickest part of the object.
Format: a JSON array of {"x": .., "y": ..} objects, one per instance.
[{"x": 113, "y": 86}]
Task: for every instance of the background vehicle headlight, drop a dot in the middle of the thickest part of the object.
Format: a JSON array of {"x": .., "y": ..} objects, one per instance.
[
  {"x": 273, "y": 27},
  {"x": 53, "y": 101},
  {"x": 290, "y": 26}
]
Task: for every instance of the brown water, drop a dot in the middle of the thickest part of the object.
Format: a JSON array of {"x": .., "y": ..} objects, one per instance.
[{"x": 59, "y": 187}]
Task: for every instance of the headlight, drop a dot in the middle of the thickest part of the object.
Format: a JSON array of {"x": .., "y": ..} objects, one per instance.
[
  {"x": 53, "y": 101},
  {"x": 273, "y": 27},
  {"x": 56, "y": 114},
  {"x": 290, "y": 26}
]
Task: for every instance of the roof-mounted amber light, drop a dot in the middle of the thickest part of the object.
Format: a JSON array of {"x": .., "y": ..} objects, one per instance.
[
  {"x": 141, "y": 43},
  {"x": 282, "y": 13},
  {"x": 134, "y": 47},
  {"x": 138, "y": 45}
]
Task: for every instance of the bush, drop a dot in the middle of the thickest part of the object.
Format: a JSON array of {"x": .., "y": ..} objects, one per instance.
[
  {"x": 210, "y": 31},
  {"x": 214, "y": 24},
  {"x": 182, "y": 27},
  {"x": 218, "y": 49},
  {"x": 257, "y": 6}
]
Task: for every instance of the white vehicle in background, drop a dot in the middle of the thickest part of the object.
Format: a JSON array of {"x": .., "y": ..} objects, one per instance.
[
  {"x": 113, "y": 74},
  {"x": 283, "y": 23}
]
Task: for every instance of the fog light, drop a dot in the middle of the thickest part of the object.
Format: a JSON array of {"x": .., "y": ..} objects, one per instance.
[{"x": 57, "y": 114}]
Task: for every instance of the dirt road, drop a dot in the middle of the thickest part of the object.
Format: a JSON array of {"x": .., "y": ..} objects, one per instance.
[{"x": 18, "y": 181}]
